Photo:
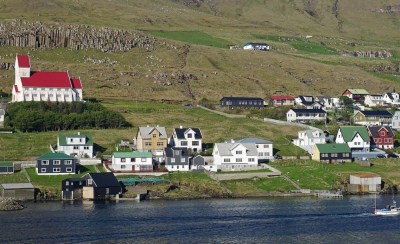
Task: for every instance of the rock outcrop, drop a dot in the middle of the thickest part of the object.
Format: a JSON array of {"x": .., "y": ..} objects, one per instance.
[
  {"x": 76, "y": 37},
  {"x": 368, "y": 54},
  {"x": 9, "y": 204}
]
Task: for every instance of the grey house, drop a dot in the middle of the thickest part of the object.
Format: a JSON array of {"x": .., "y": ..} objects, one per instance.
[
  {"x": 197, "y": 162},
  {"x": 242, "y": 102},
  {"x": 177, "y": 159},
  {"x": 55, "y": 164}
]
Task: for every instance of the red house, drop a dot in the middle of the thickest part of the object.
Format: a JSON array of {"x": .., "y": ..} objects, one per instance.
[
  {"x": 381, "y": 136},
  {"x": 282, "y": 100},
  {"x": 355, "y": 94}
]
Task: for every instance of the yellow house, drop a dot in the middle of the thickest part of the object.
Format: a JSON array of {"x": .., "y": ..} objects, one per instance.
[{"x": 151, "y": 139}]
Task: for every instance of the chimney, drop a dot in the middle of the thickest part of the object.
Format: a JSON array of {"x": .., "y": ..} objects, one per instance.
[{"x": 79, "y": 133}]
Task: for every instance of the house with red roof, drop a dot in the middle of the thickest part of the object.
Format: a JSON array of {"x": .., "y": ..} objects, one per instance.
[
  {"x": 43, "y": 85},
  {"x": 282, "y": 100}
]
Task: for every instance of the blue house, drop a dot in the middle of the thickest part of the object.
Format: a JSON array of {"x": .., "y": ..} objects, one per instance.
[{"x": 55, "y": 164}]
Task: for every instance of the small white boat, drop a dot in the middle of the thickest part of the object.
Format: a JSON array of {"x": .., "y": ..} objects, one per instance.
[{"x": 390, "y": 210}]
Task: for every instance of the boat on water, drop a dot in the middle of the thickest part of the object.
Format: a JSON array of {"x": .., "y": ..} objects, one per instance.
[{"x": 389, "y": 210}]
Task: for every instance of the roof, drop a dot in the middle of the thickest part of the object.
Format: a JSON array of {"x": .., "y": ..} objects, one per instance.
[
  {"x": 365, "y": 175},
  {"x": 374, "y": 130},
  {"x": 254, "y": 140},
  {"x": 54, "y": 156},
  {"x": 17, "y": 186},
  {"x": 47, "y": 79},
  {"x": 242, "y": 98},
  {"x": 333, "y": 148},
  {"x": 62, "y": 139},
  {"x": 256, "y": 43},
  {"x": 169, "y": 151},
  {"x": 226, "y": 148},
  {"x": 310, "y": 134},
  {"x": 76, "y": 83},
  {"x": 390, "y": 95},
  {"x": 280, "y": 98},
  {"x": 375, "y": 113},
  {"x": 134, "y": 154},
  {"x": 105, "y": 179},
  {"x": 6, "y": 164},
  {"x": 304, "y": 110},
  {"x": 145, "y": 131},
  {"x": 23, "y": 61},
  {"x": 180, "y": 133},
  {"x": 348, "y": 132},
  {"x": 358, "y": 91}
]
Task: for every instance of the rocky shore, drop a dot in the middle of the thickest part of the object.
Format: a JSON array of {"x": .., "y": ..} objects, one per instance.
[{"x": 9, "y": 204}]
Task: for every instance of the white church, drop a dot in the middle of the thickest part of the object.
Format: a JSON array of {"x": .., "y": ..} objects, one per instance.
[{"x": 43, "y": 85}]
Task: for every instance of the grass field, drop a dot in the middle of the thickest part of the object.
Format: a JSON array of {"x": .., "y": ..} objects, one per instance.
[
  {"x": 258, "y": 186},
  {"x": 17, "y": 177}
]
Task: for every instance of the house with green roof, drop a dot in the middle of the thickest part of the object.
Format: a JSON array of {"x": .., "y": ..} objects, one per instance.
[
  {"x": 132, "y": 161},
  {"x": 332, "y": 153},
  {"x": 355, "y": 94},
  {"x": 77, "y": 145},
  {"x": 56, "y": 164},
  {"x": 356, "y": 137}
]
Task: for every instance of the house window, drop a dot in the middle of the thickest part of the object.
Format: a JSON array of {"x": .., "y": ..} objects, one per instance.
[
  {"x": 266, "y": 146},
  {"x": 133, "y": 160},
  {"x": 148, "y": 144},
  {"x": 176, "y": 153},
  {"x": 227, "y": 160},
  {"x": 143, "y": 160},
  {"x": 76, "y": 148},
  {"x": 86, "y": 148},
  {"x": 172, "y": 160},
  {"x": 80, "y": 139},
  {"x": 56, "y": 162},
  {"x": 42, "y": 170},
  {"x": 123, "y": 160},
  {"x": 334, "y": 155},
  {"x": 238, "y": 160},
  {"x": 154, "y": 135},
  {"x": 382, "y": 133},
  {"x": 252, "y": 159},
  {"x": 160, "y": 144},
  {"x": 183, "y": 143},
  {"x": 183, "y": 160},
  {"x": 68, "y": 162},
  {"x": 67, "y": 183},
  {"x": 195, "y": 143},
  {"x": 71, "y": 140},
  {"x": 387, "y": 140},
  {"x": 69, "y": 169},
  {"x": 239, "y": 152},
  {"x": 45, "y": 162},
  {"x": 56, "y": 170},
  {"x": 90, "y": 182},
  {"x": 123, "y": 166}
]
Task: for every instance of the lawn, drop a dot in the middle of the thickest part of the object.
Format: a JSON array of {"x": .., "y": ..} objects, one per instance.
[
  {"x": 194, "y": 37},
  {"x": 258, "y": 186},
  {"x": 245, "y": 171},
  {"x": 18, "y": 177},
  {"x": 53, "y": 182}
]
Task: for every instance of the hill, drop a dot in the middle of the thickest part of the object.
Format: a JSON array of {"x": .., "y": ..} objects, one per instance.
[{"x": 181, "y": 49}]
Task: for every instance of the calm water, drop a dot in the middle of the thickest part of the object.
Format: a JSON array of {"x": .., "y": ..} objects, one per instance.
[{"x": 276, "y": 220}]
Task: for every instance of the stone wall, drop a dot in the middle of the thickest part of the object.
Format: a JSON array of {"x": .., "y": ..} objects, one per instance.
[{"x": 38, "y": 35}]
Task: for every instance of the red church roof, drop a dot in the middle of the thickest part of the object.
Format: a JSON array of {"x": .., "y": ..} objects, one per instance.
[
  {"x": 48, "y": 79},
  {"x": 23, "y": 61},
  {"x": 76, "y": 83},
  {"x": 280, "y": 98}
]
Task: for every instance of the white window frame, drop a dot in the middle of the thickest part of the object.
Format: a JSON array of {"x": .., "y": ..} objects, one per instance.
[
  {"x": 43, "y": 170},
  {"x": 45, "y": 162},
  {"x": 68, "y": 169},
  {"x": 56, "y": 170},
  {"x": 57, "y": 162},
  {"x": 68, "y": 162}
]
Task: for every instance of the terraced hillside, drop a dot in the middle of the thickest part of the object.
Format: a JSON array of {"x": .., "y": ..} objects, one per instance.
[{"x": 181, "y": 46}]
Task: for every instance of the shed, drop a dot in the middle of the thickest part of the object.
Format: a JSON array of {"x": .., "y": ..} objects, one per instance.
[
  {"x": 365, "y": 182},
  {"x": 19, "y": 191},
  {"x": 6, "y": 167}
]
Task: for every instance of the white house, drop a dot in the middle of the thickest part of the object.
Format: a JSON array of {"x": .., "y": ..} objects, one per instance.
[
  {"x": 264, "y": 148},
  {"x": 2, "y": 114},
  {"x": 392, "y": 98},
  {"x": 328, "y": 102},
  {"x": 356, "y": 137},
  {"x": 43, "y": 85},
  {"x": 235, "y": 156},
  {"x": 303, "y": 115},
  {"x": 132, "y": 161},
  {"x": 77, "y": 145},
  {"x": 190, "y": 138},
  {"x": 395, "y": 123},
  {"x": 256, "y": 46},
  {"x": 308, "y": 138},
  {"x": 374, "y": 100}
]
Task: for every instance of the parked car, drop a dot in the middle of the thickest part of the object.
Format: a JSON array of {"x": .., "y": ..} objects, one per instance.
[
  {"x": 381, "y": 156},
  {"x": 277, "y": 156},
  {"x": 392, "y": 155}
]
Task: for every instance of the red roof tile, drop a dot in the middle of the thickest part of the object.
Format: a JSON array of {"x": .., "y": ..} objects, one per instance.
[
  {"x": 279, "y": 98},
  {"x": 47, "y": 79},
  {"x": 76, "y": 83},
  {"x": 23, "y": 61}
]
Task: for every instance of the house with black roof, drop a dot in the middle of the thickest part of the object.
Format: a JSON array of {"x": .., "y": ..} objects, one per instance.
[
  {"x": 71, "y": 188},
  {"x": 190, "y": 138},
  {"x": 197, "y": 162},
  {"x": 305, "y": 115},
  {"x": 373, "y": 117},
  {"x": 101, "y": 186},
  {"x": 177, "y": 159},
  {"x": 381, "y": 137},
  {"x": 242, "y": 103}
]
